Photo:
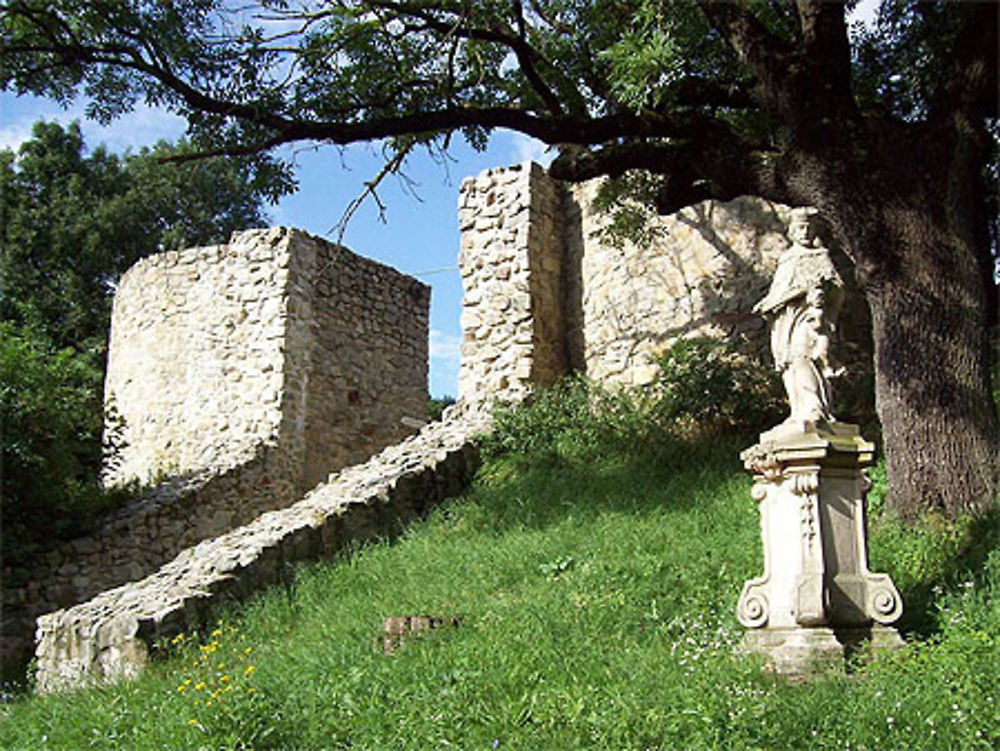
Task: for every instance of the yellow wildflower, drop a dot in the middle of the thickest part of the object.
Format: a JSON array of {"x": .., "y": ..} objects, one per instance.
[
  {"x": 192, "y": 721},
  {"x": 223, "y": 679},
  {"x": 249, "y": 669},
  {"x": 199, "y": 685}
]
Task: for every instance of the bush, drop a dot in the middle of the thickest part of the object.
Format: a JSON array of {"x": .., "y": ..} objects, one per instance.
[
  {"x": 50, "y": 443},
  {"x": 437, "y": 406},
  {"x": 573, "y": 417},
  {"x": 709, "y": 386},
  {"x": 704, "y": 387}
]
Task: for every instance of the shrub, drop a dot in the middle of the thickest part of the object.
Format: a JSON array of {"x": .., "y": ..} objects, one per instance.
[
  {"x": 709, "y": 386},
  {"x": 573, "y": 417},
  {"x": 50, "y": 443},
  {"x": 437, "y": 406},
  {"x": 704, "y": 386}
]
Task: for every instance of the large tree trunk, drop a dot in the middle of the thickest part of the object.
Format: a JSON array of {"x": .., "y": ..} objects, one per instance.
[
  {"x": 933, "y": 399},
  {"x": 932, "y": 362},
  {"x": 908, "y": 206}
]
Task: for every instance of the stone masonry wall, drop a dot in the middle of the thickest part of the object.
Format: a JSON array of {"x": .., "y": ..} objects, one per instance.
[
  {"x": 620, "y": 307},
  {"x": 542, "y": 296},
  {"x": 278, "y": 338},
  {"x": 510, "y": 261},
  {"x": 369, "y": 328},
  {"x": 708, "y": 266},
  {"x": 196, "y": 365},
  {"x": 247, "y": 372},
  {"x": 111, "y": 636}
]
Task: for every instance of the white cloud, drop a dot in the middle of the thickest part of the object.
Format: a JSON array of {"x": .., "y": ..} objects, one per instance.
[
  {"x": 445, "y": 347},
  {"x": 13, "y": 135},
  {"x": 445, "y": 353},
  {"x": 527, "y": 149},
  {"x": 144, "y": 126}
]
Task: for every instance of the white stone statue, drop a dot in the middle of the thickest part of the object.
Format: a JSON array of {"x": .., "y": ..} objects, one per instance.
[
  {"x": 817, "y": 600},
  {"x": 801, "y": 307}
]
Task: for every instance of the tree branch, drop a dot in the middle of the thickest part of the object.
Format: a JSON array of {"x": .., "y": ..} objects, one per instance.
[
  {"x": 703, "y": 92},
  {"x": 693, "y": 171},
  {"x": 826, "y": 51},
  {"x": 970, "y": 84},
  {"x": 517, "y": 43},
  {"x": 766, "y": 54},
  {"x": 350, "y": 128}
]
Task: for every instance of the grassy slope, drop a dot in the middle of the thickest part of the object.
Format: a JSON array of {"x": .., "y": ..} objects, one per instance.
[{"x": 597, "y": 598}]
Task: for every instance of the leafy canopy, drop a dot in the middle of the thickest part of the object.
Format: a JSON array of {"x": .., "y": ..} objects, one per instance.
[
  {"x": 712, "y": 94},
  {"x": 73, "y": 222},
  {"x": 885, "y": 130}
]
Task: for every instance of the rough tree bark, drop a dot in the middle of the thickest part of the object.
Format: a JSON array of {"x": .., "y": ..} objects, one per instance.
[
  {"x": 919, "y": 251},
  {"x": 906, "y": 201}
]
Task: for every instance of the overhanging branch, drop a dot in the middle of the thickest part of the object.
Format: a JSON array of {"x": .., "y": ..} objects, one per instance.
[{"x": 692, "y": 171}]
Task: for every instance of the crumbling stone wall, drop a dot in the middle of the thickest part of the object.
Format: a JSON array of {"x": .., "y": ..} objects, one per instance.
[
  {"x": 511, "y": 266},
  {"x": 111, "y": 636},
  {"x": 607, "y": 311},
  {"x": 276, "y": 339},
  {"x": 542, "y": 296},
  {"x": 367, "y": 388},
  {"x": 245, "y": 374},
  {"x": 701, "y": 276}
]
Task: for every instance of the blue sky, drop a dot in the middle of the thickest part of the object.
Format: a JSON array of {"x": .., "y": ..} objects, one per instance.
[{"x": 420, "y": 233}]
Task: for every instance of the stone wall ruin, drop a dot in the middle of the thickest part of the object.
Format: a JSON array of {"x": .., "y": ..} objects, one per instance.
[
  {"x": 245, "y": 374},
  {"x": 297, "y": 358},
  {"x": 544, "y": 295},
  {"x": 277, "y": 339},
  {"x": 112, "y": 635}
]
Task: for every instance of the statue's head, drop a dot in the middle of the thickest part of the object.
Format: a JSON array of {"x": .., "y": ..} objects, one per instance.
[{"x": 800, "y": 227}]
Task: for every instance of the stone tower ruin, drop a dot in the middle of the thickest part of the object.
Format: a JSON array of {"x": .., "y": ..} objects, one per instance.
[
  {"x": 277, "y": 342},
  {"x": 241, "y": 375}
]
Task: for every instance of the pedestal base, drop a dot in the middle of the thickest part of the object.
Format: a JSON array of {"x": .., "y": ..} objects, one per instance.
[{"x": 804, "y": 652}]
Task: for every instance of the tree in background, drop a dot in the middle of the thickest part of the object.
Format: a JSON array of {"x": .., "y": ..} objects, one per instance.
[
  {"x": 70, "y": 224},
  {"x": 73, "y": 222},
  {"x": 885, "y": 131}
]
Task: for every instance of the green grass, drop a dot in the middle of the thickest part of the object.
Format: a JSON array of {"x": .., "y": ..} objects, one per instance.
[{"x": 597, "y": 592}]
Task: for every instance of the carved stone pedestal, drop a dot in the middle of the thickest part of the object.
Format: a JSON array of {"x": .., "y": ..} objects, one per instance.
[{"x": 816, "y": 601}]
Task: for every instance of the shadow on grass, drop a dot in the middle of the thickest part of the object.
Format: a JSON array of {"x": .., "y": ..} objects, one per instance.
[
  {"x": 943, "y": 565},
  {"x": 546, "y": 488}
]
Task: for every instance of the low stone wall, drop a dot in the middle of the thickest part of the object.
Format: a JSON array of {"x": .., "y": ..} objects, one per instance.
[
  {"x": 136, "y": 540},
  {"x": 110, "y": 636}
]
